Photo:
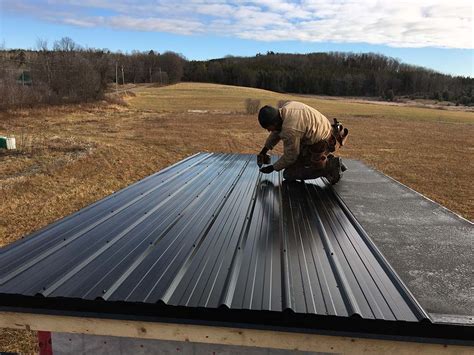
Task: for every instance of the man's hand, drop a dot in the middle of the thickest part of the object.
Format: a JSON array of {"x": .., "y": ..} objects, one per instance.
[
  {"x": 263, "y": 159},
  {"x": 267, "y": 169}
]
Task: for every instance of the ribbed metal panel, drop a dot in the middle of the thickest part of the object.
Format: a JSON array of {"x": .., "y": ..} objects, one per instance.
[{"x": 213, "y": 231}]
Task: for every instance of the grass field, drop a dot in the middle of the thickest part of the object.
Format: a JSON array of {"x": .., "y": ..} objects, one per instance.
[
  {"x": 71, "y": 156},
  {"x": 185, "y": 96}
]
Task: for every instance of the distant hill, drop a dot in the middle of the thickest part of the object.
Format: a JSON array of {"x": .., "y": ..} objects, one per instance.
[{"x": 339, "y": 74}]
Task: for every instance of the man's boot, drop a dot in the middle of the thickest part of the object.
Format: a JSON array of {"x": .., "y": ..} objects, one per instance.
[{"x": 334, "y": 169}]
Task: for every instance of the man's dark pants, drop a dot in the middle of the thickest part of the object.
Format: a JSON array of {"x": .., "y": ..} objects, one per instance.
[{"x": 313, "y": 162}]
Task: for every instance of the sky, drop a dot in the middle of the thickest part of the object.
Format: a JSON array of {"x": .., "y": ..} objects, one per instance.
[{"x": 437, "y": 34}]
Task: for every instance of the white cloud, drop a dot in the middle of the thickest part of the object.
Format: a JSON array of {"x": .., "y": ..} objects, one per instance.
[
  {"x": 80, "y": 22},
  {"x": 399, "y": 23}
]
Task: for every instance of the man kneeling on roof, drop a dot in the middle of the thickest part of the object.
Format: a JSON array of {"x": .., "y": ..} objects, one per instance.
[{"x": 309, "y": 140}]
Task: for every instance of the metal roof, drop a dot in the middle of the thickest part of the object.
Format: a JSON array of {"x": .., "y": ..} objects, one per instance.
[{"x": 211, "y": 232}]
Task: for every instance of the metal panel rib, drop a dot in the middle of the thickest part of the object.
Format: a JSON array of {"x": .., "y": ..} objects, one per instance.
[
  {"x": 51, "y": 244},
  {"x": 212, "y": 231}
]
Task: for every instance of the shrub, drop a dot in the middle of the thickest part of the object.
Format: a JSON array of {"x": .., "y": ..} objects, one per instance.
[
  {"x": 389, "y": 95},
  {"x": 465, "y": 100},
  {"x": 252, "y": 106},
  {"x": 14, "y": 94},
  {"x": 446, "y": 95},
  {"x": 116, "y": 100},
  {"x": 436, "y": 96}
]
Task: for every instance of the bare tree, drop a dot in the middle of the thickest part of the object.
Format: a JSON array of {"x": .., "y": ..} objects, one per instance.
[
  {"x": 3, "y": 53},
  {"x": 65, "y": 44},
  {"x": 41, "y": 44}
]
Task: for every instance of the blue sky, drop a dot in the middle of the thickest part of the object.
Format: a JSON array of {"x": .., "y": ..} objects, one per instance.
[{"x": 436, "y": 34}]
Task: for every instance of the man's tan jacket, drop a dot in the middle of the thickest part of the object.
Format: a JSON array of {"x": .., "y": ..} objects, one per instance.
[{"x": 302, "y": 125}]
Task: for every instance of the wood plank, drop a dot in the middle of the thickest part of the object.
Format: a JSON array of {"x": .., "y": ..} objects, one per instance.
[{"x": 222, "y": 335}]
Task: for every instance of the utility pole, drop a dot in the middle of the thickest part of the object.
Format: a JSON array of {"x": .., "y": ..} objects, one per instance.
[
  {"x": 149, "y": 69},
  {"x": 116, "y": 76},
  {"x": 123, "y": 77},
  {"x": 161, "y": 80}
]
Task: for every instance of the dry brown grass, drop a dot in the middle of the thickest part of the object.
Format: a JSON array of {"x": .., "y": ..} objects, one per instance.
[
  {"x": 73, "y": 155},
  {"x": 180, "y": 97}
]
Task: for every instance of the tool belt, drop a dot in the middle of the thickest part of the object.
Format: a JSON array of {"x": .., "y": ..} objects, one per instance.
[{"x": 316, "y": 154}]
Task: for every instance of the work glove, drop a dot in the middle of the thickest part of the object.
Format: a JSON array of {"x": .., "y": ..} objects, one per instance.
[
  {"x": 263, "y": 159},
  {"x": 267, "y": 169}
]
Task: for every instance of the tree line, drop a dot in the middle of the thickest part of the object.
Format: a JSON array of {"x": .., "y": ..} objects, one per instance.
[
  {"x": 338, "y": 74},
  {"x": 69, "y": 73}
]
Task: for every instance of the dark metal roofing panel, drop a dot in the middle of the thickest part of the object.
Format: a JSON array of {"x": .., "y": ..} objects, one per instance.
[{"x": 208, "y": 232}]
